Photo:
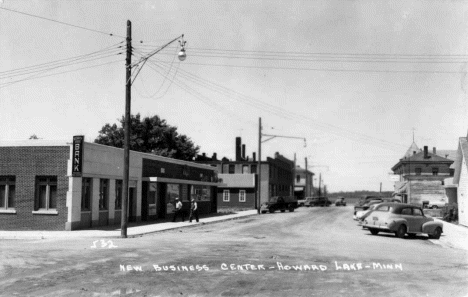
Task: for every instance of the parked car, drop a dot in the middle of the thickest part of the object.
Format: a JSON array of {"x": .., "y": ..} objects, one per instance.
[
  {"x": 402, "y": 219},
  {"x": 340, "y": 201},
  {"x": 436, "y": 204},
  {"x": 365, "y": 199},
  {"x": 301, "y": 202},
  {"x": 360, "y": 215},
  {"x": 365, "y": 207},
  {"x": 308, "y": 201},
  {"x": 281, "y": 203},
  {"x": 320, "y": 201}
]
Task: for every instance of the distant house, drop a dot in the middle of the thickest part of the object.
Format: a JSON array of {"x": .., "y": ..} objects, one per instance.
[
  {"x": 303, "y": 183},
  {"x": 422, "y": 175},
  {"x": 239, "y": 186},
  {"x": 460, "y": 179}
]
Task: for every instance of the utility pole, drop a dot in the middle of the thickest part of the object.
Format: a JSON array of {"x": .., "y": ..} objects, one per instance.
[
  {"x": 380, "y": 187},
  {"x": 306, "y": 189},
  {"x": 128, "y": 93},
  {"x": 259, "y": 182},
  {"x": 294, "y": 175}
]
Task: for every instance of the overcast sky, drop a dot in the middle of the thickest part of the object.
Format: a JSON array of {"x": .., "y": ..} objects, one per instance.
[{"x": 352, "y": 77}]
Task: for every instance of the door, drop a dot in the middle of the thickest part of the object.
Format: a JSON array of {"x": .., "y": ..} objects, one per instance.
[{"x": 131, "y": 205}]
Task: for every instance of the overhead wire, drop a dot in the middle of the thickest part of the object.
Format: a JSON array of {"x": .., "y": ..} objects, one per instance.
[
  {"x": 3, "y": 85},
  {"x": 63, "y": 23},
  {"x": 283, "y": 113},
  {"x": 106, "y": 49}
]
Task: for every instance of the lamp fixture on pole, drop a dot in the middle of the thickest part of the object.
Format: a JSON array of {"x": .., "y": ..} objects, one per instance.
[{"x": 128, "y": 92}]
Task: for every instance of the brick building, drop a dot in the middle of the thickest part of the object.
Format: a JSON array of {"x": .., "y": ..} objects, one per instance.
[
  {"x": 422, "y": 176},
  {"x": 55, "y": 185},
  {"x": 240, "y": 178}
]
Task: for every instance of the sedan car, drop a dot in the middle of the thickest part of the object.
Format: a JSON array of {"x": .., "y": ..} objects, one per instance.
[
  {"x": 402, "y": 219},
  {"x": 365, "y": 207},
  {"x": 436, "y": 204}
]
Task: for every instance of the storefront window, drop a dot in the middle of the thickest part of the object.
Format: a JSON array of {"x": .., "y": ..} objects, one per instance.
[
  {"x": 201, "y": 193},
  {"x": 152, "y": 199},
  {"x": 173, "y": 191}
]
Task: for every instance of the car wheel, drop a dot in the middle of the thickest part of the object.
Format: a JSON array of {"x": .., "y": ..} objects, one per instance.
[
  {"x": 436, "y": 234},
  {"x": 291, "y": 208},
  {"x": 283, "y": 210},
  {"x": 434, "y": 207},
  {"x": 374, "y": 231},
  {"x": 271, "y": 210},
  {"x": 400, "y": 233},
  {"x": 411, "y": 235}
]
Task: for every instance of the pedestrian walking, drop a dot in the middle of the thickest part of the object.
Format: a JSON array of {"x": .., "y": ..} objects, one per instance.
[
  {"x": 178, "y": 210},
  {"x": 193, "y": 210}
]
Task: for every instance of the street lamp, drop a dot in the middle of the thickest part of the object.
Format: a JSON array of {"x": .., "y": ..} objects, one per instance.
[{"x": 128, "y": 92}]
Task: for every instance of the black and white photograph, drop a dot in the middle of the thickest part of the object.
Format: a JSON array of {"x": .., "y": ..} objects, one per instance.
[{"x": 234, "y": 148}]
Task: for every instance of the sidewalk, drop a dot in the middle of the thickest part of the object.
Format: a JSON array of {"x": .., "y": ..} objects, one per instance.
[
  {"x": 453, "y": 236},
  {"x": 115, "y": 233}
]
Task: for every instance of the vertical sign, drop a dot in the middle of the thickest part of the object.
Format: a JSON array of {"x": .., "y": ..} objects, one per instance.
[{"x": 77, "y": 156}]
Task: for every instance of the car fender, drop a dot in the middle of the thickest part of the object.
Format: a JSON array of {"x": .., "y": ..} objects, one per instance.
[
  {"x": 429, "y": 227},
  {"x": 396, "y": 223}
]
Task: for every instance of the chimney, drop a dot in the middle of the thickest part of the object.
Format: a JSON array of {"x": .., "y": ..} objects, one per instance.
[
  {"x": 243, "y": 151},
  {"x": 204, "y": 155},
  {"x": 238, "y": 148},
  {"x": 254, "y": 157},
  {"x": 426, "y": 156},
  {"x": 434, "y": 151},
  {"x": 215, "y": 157}
]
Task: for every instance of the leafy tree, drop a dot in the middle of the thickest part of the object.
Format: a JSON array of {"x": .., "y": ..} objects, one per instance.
[{"x": 149, "y": 135}]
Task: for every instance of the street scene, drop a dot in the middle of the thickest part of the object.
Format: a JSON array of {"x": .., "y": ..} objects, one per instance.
[
  {"x": 233, "y": 148},
  {"x": 310, "y": 252}
]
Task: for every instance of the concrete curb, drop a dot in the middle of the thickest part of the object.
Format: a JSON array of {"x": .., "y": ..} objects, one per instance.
[{"x": 137, "y": 231}]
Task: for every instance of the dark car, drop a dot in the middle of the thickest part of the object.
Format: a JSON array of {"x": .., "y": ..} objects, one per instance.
[
  {"x": 281, "y": 203},
  {"x": 402, "y": 219},
  {"x": 340, "y": 201},
  {"x": 320, "y": 201}
]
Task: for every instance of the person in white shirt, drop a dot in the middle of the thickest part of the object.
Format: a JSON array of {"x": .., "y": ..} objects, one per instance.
[
  {"x": 193, "y": 210},
  {"x": 178, "y": 210}
]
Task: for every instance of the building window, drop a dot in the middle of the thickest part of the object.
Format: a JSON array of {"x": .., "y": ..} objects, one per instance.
[
  {"x": 103, "y": 194},
  {"x": 7, "y": 192},
  {"x": 418, "y": 171},
  {"x": 46, "y": 192},
  {"x": 435, "y": 171},
  {"x": 253, "y": 169},
  {"x": 245, "y": 169},
  {"x": 86, "y": 193},
  {"x": 241, "y": 195},
  {"x": 298, "y": 178},
  {"x": 232, "y": 169},
  {"x": 118, "y": 194},
  {"x": 226, "y": 195}
]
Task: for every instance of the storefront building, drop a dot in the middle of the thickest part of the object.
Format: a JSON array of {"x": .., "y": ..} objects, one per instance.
[{"x": 52, "y": 185}]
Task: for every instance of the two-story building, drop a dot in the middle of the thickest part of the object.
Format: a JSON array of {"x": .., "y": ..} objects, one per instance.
[
  {"x": 422, "y": 176},
  {"x": 239, "y": 178},
  {"x": 303, "y": 183}
]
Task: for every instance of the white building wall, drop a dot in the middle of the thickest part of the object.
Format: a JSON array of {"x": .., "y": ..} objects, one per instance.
[{"x": 463, "y": 195}]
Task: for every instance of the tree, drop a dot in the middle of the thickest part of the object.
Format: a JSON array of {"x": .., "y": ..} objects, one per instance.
[
  {"x": 34, "y": 136},
  {"x": 149, "y": 135}
]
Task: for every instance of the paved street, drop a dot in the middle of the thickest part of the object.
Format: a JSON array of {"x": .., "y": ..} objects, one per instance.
[{"x": 310, "y": 252}]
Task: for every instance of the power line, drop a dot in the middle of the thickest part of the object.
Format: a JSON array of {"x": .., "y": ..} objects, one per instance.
[
  {"x": 329, "y": 69},
  {"x": 106, "y": 49},
  {"x": 63, "y": 23},
  {"x": 37, "y": 77},
  {"x": 328, "y": 53}
]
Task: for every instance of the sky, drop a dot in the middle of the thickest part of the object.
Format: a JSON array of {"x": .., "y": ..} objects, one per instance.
[{"x": 357, "y": 79}]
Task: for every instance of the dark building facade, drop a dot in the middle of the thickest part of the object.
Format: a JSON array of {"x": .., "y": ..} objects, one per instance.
[{"x": 239, "y": 177}]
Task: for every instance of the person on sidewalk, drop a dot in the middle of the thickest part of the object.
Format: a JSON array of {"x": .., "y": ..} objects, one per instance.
[
  {"x": 178, "y": 210},
  {"x": 193, "y": 210}
]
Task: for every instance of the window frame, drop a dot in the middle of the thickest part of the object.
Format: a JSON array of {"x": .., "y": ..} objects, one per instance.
[
  {"x": 226, "y": 195},
  {"x": 50, "y": 181},
  {"x": 118, "y": 194},
  {"x": 85, "y": 207},
  {"x": 242, "y": 196},
  {"x": 104, "y": 194},
  {"x": 9, "y": 181}
]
